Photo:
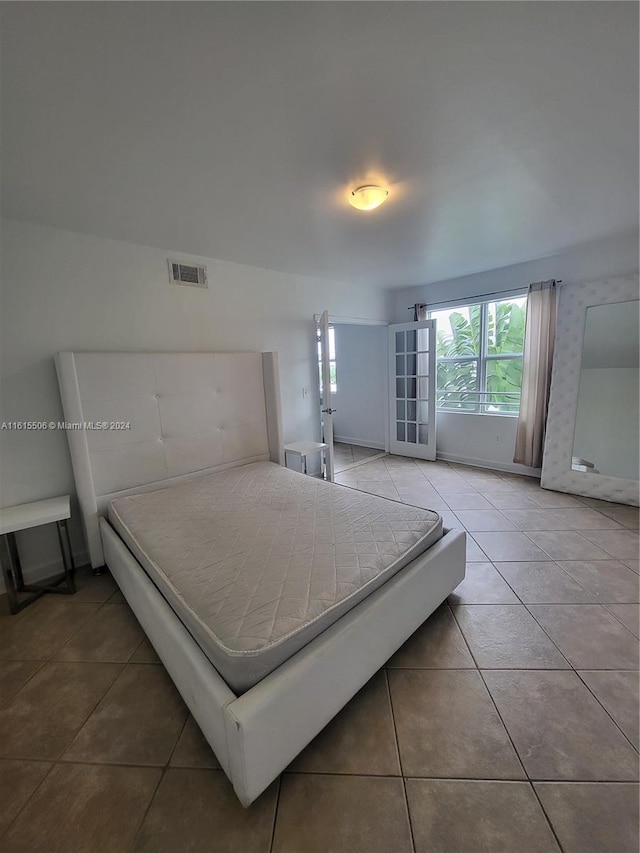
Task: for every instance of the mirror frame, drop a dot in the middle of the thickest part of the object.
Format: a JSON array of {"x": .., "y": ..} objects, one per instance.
[{"x": 565, "y": 383}]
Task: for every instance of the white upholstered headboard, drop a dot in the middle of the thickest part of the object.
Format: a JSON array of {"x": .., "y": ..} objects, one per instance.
[{"x": 168, "y": 416}]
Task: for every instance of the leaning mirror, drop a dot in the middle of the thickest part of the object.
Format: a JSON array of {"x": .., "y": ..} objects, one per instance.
[
  {"x": 607, "y": 421},
  {"x": 591, "y": 441}
]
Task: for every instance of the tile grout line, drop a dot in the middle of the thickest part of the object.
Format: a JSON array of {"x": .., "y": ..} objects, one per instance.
[
  {"x": 504, "y": 668},
  {"x": 275, "y": 814},
  {"x": 555, "y": 563},
  {"x": 546, "y": 633},
  {"x": 600, "y": 604},
  {"x": 175, "y": 746},
  {"x": 10, "y": 698},
  {"x": 83, "y": 660},
  {"x": 464, "y": 639},
  {"x": 595, "y": 600},
  {"x": 493, "y": 702},
  {"x": 393, "y": 719},
  {"x": 596, "y": 604},
  {"x": 358, "y": 463},
  {"x": 72, "y": 737},
  {"x": 577, "y": 672},
  {"x": 528, "y": 778},
  {"x": 136, "y": 834},
  {"x": 395, "y": 738},
  {"x": 521, "y": 603},
  {"x": 59, "y": 648},
  {"x": 507, "y": 582},
  {"x": 546, "y": 816},
  {"x": 506, "y": 779},
  {"x": 609, "y": 604},
  {"x": 31, "y": 795},
  {"x": 86, "y": 762},
  {"x": 93, "y": 709}
]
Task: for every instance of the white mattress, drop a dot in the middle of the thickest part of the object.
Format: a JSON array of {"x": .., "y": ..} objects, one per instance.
[{"x": 257, "y": 561}]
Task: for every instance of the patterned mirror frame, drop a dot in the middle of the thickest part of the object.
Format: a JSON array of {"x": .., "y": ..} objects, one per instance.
[{"x": 565, "y": 382}]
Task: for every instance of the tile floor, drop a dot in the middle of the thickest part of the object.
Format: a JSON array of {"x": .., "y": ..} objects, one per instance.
[
  {"x": 508, "y": 722},
  {"x": 346, "y": 456}
]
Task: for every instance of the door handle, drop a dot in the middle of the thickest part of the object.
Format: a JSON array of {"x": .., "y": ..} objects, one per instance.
[{"x": 328, "y": 411}]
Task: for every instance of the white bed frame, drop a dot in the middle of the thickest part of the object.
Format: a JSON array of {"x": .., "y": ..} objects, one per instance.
[{"x": 193, "y": 413}]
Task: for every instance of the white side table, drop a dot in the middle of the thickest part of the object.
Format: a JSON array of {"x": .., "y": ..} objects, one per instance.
[
  {"x": 302, "y": 449},
  {"x": 24, "y": 517}
]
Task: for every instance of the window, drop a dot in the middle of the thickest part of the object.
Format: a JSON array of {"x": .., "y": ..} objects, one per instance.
[
  {"x": 479, "y": 356},
  {"x": 332, "y": 359}
]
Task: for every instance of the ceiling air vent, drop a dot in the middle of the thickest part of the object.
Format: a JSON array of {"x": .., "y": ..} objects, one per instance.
[{"x": 188, "y": 274}]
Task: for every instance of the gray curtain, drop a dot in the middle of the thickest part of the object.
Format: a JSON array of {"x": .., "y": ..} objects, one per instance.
[
  {"x": 540, "y": 332},
  {"x": 419, "y": 311}
]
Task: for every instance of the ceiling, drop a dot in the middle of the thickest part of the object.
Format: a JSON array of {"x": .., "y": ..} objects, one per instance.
[{"x": 505, "y": 131}]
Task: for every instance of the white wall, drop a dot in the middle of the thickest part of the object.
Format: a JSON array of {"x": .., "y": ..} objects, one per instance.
[
  {"x": 484, "y": 440},
  {"x": 361, "y": 398},
  {"x": 472, "y": 438},
  {"x": 607, "y": 421},
  {"x": 66, "y": 291},
  {"x": 617, "y": 255}
]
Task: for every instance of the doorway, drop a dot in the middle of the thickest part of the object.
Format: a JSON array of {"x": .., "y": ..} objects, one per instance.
[{"x": 356, "y": 368}]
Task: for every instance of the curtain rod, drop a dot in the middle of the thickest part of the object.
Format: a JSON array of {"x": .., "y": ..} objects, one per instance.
[{"x": 479, "y": 296}]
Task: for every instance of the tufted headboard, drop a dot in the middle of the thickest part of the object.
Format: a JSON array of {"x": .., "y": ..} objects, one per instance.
[{"x": 166, "y": 416}]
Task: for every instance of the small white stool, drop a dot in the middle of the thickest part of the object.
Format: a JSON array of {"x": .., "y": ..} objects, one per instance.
[
  {"x": 302, "y": 449},
  {"x": 24, "y": 517}
]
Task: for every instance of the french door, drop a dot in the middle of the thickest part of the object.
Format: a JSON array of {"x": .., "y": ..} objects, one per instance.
[{"x": 412, "y": 389}]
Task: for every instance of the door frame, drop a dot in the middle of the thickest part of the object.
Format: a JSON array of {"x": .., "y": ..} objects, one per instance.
[{"x": 360, "y": 321}]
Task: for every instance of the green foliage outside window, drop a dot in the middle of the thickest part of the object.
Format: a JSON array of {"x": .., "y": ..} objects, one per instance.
[
  {"x": 505, "y": 335},
  {"x": 458, "y": 381}
]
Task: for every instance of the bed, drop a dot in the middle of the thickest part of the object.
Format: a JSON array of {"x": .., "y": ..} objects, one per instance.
[{"x": 270, "y": 597}]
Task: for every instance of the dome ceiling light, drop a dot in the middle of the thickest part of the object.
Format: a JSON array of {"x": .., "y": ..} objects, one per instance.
[{"x": 368, "y": 197}]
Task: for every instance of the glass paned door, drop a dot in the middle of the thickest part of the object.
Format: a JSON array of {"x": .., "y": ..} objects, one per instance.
[{"x": 412, "y": 389}]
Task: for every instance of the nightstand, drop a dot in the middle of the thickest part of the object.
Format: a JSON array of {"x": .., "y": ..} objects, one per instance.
[{"x": 24, "y": 517}]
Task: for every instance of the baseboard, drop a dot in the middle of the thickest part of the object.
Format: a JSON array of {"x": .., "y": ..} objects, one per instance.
[
  {"x": 359, "y": 442},
  {"x": 507, "y": 467},
  {"x": 46, "y": 571}
]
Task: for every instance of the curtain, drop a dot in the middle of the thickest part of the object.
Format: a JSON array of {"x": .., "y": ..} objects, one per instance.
[
  {"x": 540, "y": 332},
  {"x": 419, "y": 311}
]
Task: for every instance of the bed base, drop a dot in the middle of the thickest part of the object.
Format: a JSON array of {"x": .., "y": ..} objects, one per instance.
[{"x": 257, "y": 734}]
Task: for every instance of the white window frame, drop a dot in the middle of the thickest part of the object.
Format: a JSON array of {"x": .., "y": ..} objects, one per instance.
[{"x": 483, "y": 356}]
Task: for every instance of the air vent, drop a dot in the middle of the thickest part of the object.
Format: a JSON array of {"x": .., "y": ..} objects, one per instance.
[{"x": 188, "y": 274}]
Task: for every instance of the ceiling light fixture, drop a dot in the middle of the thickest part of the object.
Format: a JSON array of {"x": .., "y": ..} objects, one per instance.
[{"x": 368, "y": 197}]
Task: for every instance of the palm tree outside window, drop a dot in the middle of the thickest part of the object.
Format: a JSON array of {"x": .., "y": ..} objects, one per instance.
[{"x": 479, "y": 356}]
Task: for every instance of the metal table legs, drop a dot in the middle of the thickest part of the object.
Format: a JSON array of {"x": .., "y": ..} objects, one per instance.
[{"x": 14, "y": 581}]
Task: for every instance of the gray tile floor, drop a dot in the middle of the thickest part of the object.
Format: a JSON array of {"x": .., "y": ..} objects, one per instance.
[
  {"x": 346, "y": 456},
  {"x": 509, "y": 721}
]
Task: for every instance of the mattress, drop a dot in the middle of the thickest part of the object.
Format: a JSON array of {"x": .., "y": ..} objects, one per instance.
[{"x": 258, "y": 560}]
